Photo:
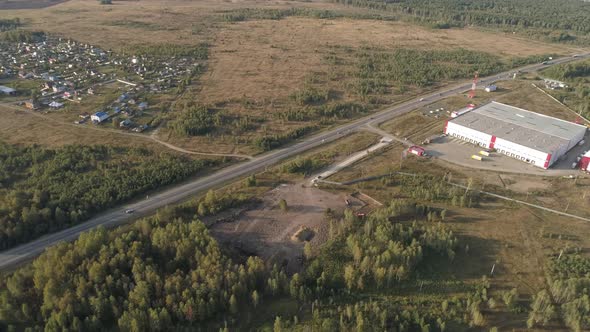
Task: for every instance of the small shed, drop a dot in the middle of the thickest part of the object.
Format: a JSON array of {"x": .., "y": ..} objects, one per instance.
[
  {"x": 99, "y": 117},
  {"x": 417, "y": 150}
]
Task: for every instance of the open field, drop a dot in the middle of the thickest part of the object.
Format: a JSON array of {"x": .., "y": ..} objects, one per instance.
[{"x": 270, "y": 59}]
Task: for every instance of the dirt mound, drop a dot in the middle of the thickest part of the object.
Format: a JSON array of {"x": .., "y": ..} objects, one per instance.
[{"x": 303, "y": 234}]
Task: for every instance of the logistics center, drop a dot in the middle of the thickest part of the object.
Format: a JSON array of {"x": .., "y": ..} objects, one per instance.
[{"x": 531, "y": 137}]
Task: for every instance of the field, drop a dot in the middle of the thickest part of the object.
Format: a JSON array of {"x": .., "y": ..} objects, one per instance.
[{"x": 284, "y": 74}]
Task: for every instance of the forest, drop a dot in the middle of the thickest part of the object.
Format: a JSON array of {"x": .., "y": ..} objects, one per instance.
[
  {"x": 158, "y": 274},
  {"x": 167, "y": 271},
  {"x": 45, "y": 190},
  {"x": 9, "y": 24},
  {"x": 568, "y": 295},
  {"x": 380, "y": 71},
  {"x": 577, "y": 94},
  {"x": 573, "y": 15}
]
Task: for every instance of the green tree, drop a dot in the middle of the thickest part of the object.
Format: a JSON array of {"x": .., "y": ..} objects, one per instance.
[
  {"x": 307, "y": 250},
  {"x": 283, "y": 205},
  {"x": 542, "y": 309},
  {"x": 233, "y": 304},
  {"x": 251, "y": 181},
  {"x": 255, "y": 298},
  {"x": 278, "y": 326}
]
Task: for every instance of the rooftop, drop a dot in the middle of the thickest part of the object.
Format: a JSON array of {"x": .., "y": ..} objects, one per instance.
[{"x": 533, "y": 130}]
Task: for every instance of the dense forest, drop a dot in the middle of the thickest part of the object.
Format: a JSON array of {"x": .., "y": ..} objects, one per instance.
[
  {"x": 167, "y": 271},
  {"x": 568, "y": 294},
  {"x": 572, "y": 16},
  {"x": 577, "y": 76},
  {"x": 45, "y": 190},
  {"x": 379, "y": 71},
  {"x": 160, "y": 273}
]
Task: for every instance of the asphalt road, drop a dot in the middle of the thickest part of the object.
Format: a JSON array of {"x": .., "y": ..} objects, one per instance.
[{"x": 117, "y": 216}]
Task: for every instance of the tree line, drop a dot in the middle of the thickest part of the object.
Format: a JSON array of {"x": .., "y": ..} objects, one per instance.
[
  {"x": 45, "y": 190},
  {"x": 433, "y": 189},
  {"x": 198, "y": 52},
  {"x": 380, "y": 71},
  {"x": 9, "y": 24},
  {"x": 573, "y": 15},
  {"x": 568, "y": 294},
  {"x": 20, "y": 36},
  {"x": 196, "y": 119},
  {"x": 273, "y": 141}
]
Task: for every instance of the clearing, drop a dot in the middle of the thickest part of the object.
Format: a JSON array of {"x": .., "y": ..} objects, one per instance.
[{"x": 268, "y": 231}]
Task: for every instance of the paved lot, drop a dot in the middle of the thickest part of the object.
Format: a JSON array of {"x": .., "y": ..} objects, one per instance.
[{"x": 459, "y": 152}]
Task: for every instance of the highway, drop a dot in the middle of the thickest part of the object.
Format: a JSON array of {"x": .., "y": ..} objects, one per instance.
[{"x": 22, "y": 253}]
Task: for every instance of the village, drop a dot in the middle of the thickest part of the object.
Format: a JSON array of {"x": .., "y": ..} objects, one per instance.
[{"x": 52, "y": 72}]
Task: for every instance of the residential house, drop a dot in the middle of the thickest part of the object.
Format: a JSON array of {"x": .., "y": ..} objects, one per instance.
[{"x": 99, "y": 117}]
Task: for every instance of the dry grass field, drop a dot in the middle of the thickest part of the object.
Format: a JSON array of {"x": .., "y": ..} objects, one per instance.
[
  {"x": 257, "y": 65},
  {"x": 270, "y": 59}
]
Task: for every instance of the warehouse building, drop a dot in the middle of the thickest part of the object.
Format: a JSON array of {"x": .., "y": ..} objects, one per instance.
[{"x": 531, "y": 137}]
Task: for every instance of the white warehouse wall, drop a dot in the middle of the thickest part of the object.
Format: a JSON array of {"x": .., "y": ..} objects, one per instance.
[
  {"x": 467, "y": 134},
  {"x": 520, "y": 152}
]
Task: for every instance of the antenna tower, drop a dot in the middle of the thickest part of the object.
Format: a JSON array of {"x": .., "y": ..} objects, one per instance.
[{"x": 473, "y": 86}]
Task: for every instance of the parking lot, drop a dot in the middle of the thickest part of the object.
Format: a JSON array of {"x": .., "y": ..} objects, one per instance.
[{"x": 459, "y": 152}]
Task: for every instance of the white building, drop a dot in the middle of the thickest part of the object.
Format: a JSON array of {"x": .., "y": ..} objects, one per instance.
[
  {"x": 531, "y": 137},
  {"x": 99, "y": 117}
]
